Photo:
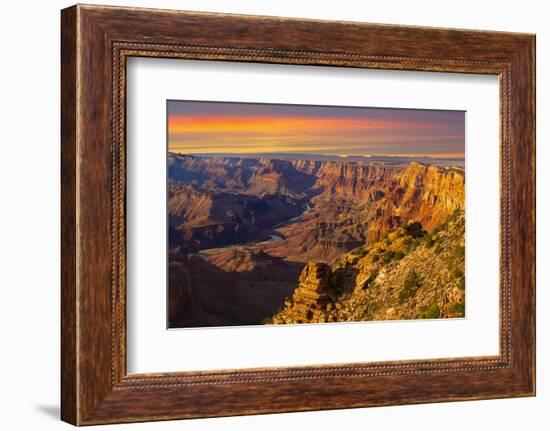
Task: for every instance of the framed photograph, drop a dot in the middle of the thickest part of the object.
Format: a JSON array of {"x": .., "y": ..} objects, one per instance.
[
  {"x": 287, "y": 214},
  {"x": 265, "y": 215}
]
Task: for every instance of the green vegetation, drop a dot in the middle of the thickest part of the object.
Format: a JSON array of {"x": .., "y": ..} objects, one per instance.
[
  {"x": 458, "y": 308},
  {"x": 372, "y": 276},
  {"x": 389, "y": 255},
  {"x": 462, "y": 283},
  {"x": 429, "y": 240},
  {"x": 429, "y": 312},
  {"x": 458, "y": 274},
  {"x": 360, "y": 251},
  {"x": 415, "y": 243},
  {"x": 412, "y": 282},
  {"x": 453, "y": 217},
  {"x": 415, "y": 230},
  {"x": 436, "y": 230}
]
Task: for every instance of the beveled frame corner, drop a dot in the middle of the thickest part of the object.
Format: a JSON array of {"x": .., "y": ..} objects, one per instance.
[{"x": 96, "y": 42}]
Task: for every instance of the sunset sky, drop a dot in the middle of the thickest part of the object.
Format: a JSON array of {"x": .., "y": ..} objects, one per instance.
[{"x": 219, "y": 127}]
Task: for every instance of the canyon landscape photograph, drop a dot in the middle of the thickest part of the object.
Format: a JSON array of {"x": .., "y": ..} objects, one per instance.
[{"x": 293, "y": 214}]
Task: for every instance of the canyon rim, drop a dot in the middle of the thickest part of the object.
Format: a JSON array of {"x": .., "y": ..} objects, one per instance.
[{"x": 291, "y": 214}]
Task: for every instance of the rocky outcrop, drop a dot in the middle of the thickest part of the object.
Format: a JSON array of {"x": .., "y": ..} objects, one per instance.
[
  {"x": 409, "y": 274},
  {"x": 355, "y": 180},
  {"x": 429, "y": 193},
  {"x": 311, "y": 297}
]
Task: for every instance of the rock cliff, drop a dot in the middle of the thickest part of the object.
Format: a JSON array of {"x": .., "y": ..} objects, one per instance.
[
  {"x": 312, "y": 295},
  {"x": 220, "y": 201},
  {"x": 410, "y": 274}
]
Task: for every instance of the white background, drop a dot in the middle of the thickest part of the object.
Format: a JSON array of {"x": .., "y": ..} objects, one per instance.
[
  {"x": 29, "y": 224},
  {"x": 151, "y": 348}
]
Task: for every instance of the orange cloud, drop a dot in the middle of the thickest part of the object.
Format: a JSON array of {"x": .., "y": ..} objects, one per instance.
[
  {"x": 232, "y": 133},
  {"x": 281, "y": 125}
]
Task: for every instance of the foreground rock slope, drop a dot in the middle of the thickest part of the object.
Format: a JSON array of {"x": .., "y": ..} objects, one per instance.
[{"x": 410, "y": 274}]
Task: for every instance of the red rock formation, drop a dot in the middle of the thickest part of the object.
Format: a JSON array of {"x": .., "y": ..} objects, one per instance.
[
  {"x": 311, "y": 296},
  {"x": 352, "y": 179},
  {"x": 353, "y": 202}
]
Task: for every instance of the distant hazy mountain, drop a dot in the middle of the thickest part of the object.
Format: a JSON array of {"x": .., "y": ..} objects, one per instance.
[{"x": 398, "y": 160}]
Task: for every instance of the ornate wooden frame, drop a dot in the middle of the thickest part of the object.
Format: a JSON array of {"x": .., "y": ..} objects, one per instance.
[{"x": 96, "y": 41}]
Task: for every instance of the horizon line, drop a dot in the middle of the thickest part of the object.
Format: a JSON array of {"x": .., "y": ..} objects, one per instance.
[{"x": 343, "y": 156}]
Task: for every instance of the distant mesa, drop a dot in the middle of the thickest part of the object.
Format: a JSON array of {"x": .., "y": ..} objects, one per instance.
[{"x": 384, "y": 159}]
